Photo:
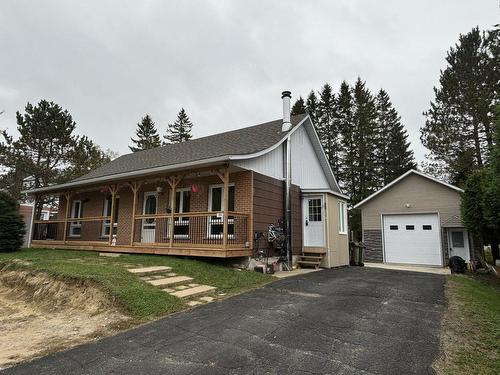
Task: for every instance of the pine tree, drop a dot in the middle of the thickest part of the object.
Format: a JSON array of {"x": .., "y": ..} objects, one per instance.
[
  {"x": 83, "y": 158},
  {"x": 458, "y": 127},
  {"x": 393, "y": 154},
  {"x": 326, "y": 125},
  {"x": 312, "y": 106},
  {"x": 299, "y": 107},
  {"x": 180, "y": 130},
  {"x": 41, "y": 151},
  {"x": 147, "y": 135},
  {"x": 346, "y": 175}
]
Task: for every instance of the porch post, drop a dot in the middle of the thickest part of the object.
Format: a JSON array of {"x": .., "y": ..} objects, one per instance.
[
  {"x": 226, "y": 203},
  {"x": 67, "y": 196},
  {"x": 32, "y": 229},
  {"x": 173, "y": 182},
  {"x": 112, "y": 189},
  {"x": 135, "y": 189}
]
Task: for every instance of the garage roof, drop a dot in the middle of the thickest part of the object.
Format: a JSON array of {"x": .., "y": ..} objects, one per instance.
[{"x": 403, "y": 176}]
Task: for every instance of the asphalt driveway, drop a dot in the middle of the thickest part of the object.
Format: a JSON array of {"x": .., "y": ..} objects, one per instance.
[{"x": 344, "y": 321}]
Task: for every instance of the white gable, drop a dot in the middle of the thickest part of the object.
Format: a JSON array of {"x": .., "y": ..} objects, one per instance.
[
  {"x": 269, "y": 164},
  {"x": 306, "y": 168}
]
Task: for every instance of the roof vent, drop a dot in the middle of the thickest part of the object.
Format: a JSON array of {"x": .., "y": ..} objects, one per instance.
[{"x": 287, "y": 125}]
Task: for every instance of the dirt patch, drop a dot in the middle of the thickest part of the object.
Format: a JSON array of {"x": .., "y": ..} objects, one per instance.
[{"x": 40, "y": 314}]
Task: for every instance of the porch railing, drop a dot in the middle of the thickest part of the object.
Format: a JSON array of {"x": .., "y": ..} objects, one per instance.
[{"x": 190, "y": 229}]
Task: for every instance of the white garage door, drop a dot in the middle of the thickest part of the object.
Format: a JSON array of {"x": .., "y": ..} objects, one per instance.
[{"x": 412, "y": 239}]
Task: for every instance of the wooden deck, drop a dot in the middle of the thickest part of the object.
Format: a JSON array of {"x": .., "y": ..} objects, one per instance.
[{"x": 195, "y": 251}]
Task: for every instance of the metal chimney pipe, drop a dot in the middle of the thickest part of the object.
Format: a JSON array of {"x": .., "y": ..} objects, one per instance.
[{"x": 286, "y": 96}]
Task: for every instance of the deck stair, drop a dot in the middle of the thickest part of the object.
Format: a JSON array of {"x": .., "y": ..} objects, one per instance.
[{"x": 308, "y": 259}]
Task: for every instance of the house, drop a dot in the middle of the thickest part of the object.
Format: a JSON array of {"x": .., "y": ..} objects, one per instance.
[
  {"x": 208, "y": 197},
  {"x": 415, "y": 219}
]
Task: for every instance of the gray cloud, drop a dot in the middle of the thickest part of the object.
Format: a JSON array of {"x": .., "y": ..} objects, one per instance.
[{"x": 226, "y": 62}]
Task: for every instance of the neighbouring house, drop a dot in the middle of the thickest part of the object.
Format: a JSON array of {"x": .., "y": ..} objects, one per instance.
[
  {"x": 415, "y": 219},
  {"x": 208, "y": 197}
]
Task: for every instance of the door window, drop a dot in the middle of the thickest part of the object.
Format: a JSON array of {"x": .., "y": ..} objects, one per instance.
[
  {"x": 457, "y": 239},
  {"x": 149, "y": 209},
  {"x": 315, "y": 209}
]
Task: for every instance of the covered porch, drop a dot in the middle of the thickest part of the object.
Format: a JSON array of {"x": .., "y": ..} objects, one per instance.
[{"x": 204, "y": 212}]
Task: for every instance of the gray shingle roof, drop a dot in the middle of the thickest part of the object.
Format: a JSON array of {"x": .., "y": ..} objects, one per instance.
[{"x": 237, "y": 142}]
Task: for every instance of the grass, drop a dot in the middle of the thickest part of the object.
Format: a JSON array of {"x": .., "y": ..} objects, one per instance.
[
  {"x": 471, "y": 327},
  {"x": 137, "y": 298}
]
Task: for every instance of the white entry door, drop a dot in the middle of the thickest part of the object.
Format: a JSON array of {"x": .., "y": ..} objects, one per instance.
[
  {"x": 314, "y": 221},
  {"x": 149, "y": 224},
  {"x": 459, "y": 243}
]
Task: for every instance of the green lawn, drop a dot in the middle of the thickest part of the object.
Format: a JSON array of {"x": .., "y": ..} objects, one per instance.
[
  {"x": 137, "y": 298},
  {"x": 471, "y": 331}
]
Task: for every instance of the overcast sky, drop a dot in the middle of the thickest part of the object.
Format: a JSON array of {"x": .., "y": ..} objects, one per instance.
[{"x": 225, "y": 62}]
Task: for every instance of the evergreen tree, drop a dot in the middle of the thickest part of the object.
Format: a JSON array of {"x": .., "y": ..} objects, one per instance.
[
  {"x": 326, "y": 125},
  {"x": 347, "y": 174},
  {"x": 299, "y": 107},
  {"x": 393, "y": 154},
  {"x": 312, "y": 106},
  {"x": 83, "y": 158},
  {"x": 458, "y": 127},
  {"x": 11, "y": 224},
  {"x": 147, "y": 135},
  {"x": 180, "y": 130},
  {"x": 41, "y": 151}
]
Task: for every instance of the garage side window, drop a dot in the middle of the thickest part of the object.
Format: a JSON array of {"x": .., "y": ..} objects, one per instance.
[{"x": 342, "y": 217}]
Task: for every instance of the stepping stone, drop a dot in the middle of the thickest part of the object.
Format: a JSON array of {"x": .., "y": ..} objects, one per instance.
[
  {"x": 168, "y": 290},
  {"x": 181, "y": 287},
  {"x": 193, "y": 285},
  {"x": 194, "y": 303},
  {"x": 207, "y": 299},
  {"x": 149, "y": 270},
  {"x": 171, "y": 274},
  {"x": 170, "y": 280},
  {"x": 192, "y": 292},
  {"x": 111, "y": 255}
]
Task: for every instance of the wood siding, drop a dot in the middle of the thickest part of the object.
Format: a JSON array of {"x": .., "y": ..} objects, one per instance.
[{"x": 268, "y": 208}]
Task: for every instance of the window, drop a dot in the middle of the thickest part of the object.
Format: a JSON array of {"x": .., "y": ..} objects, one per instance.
[
  {"x": 393, "y": 227},
  {"x": 457, "y": 239},
  {"x": 75, "y": 228},
  {"x": 107, "y": 212},
  {"x": 182, "y": 204},
  {"x": 314, "y": 209},
  {"x": 427, "y": 227},
  {"x": 342, "y": 217},
  {"x": 216, "y": 203},
  {"x": 410, "y": 227}
]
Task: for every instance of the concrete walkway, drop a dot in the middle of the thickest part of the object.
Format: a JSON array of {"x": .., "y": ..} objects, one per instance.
[
  {"x": 412, "y": 268},
  {"x": 345, "y": 321}
]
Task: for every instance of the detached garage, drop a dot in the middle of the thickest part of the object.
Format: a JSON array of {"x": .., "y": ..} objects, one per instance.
[{"x": 415, "y": 220}]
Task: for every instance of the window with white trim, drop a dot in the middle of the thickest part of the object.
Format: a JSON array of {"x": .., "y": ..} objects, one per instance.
[
  {"x": 106, "y": 225},
  {"x": 216, "y": 203},
  {"x": 342, "y": 217},
  {"x": 182, "y": 204},
  {"x": 75, "y": 227}
]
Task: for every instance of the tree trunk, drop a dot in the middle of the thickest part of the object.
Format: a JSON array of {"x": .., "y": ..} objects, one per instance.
[{"x": 494, "y": 250}]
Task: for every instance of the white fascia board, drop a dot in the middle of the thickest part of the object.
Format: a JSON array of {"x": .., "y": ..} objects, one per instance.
[
  {"x": 150, "y": 171},
  {"x": 318, "y": 144},
  {"x": 328, "y": 191},
  {"x": 411, "y": 171}
]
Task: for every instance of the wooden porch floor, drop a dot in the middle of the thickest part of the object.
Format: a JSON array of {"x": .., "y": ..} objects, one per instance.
[{"x": 219, "y": 252}]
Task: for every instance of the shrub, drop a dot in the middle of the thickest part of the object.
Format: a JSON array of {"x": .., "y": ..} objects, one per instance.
[{"x": 11, "y": 224}]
